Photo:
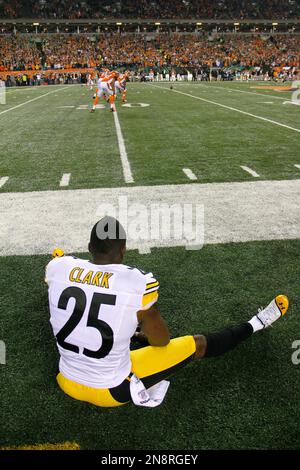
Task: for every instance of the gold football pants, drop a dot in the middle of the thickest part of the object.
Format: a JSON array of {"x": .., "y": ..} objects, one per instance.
[{"x": 151, "y": 364}]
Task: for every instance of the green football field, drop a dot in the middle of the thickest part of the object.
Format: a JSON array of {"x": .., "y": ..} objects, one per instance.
[
  {"x": 55, "y": 134},
  {"x": 240, "y": 145}
]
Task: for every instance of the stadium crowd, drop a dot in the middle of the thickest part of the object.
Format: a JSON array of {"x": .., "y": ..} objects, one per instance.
[
  {"x": 77, "y": 51},
  {"x": 144, "y": 9}
]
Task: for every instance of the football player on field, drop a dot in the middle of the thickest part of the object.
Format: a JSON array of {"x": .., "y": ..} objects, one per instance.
[
  {"x": 120, "y": 85},
  {"x": 89, "y": 81},
  {"x": 96, "y": 306},
  {"x": 106, "y": 87}
]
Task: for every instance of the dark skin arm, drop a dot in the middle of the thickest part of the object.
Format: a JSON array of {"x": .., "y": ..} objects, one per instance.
[{"x": 153, "y": 326}]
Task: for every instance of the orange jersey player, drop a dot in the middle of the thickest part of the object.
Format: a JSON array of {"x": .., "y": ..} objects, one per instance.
[
  {"x": 99, "y": 90},
  {"x": 120, "y": 85},
  {"x": 106, "y": 87}
]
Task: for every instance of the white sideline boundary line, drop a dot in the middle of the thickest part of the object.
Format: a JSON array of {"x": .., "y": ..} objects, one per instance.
[
  {"x": 123, "y": 154},
  {"x": 249, "y": 92},
  {"x": 295, "y": 103},
  {"x": 3, "y": 180},
  {"x": 65, "y": 180},
  {"x": 297, "y": 166},
  {"x": 144, "y": 250},
  {"x": 33, "y": 99},
  {"x": 272, "y": 207},
  {"x": 230, "y": 90},
  {"x": 11, "y": 90},
  {"x": 252, "y": 172},
  {"x": 35, "y": 87},
  {"x": 189, "y": 174},
  {"x": 230, "y": 108}
]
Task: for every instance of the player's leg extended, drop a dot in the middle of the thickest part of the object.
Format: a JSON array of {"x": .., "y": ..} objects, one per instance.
[
  {"x": 112, "y": 102},
  {"x": 153, "y": 364},
  {"x": 117, "y": 89},
  {"x": 96, "y": 100},
  {"x": 219, "y": 343}
]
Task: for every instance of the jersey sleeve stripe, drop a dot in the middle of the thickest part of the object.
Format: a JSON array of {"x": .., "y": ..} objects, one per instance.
[
  {"x": 153, "y": 289},
  {"x": 151, "y": 285},
  {"x": 149, "y": 298}
]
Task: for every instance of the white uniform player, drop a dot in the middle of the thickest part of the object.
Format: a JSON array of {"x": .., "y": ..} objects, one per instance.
[
  {"x": 100, "y": 89},
  {"x": 95, "y": 308},
  {"x": 106, "y": 89},
  {"x": 151, "y": 76},
  {"x": 118, "y": 85},
  {"x": 105, "y": 85},
  {"x": 93, "y": 313}
]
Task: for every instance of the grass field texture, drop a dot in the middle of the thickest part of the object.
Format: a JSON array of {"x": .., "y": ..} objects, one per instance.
[
  {"x": 54, "y": 135},
  {"x": 246, "y": 399}
]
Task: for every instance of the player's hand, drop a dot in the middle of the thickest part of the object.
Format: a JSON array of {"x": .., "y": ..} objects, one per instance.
[
  {"x": 140, "y": 338},
  {"x": 58, "y": 253}
]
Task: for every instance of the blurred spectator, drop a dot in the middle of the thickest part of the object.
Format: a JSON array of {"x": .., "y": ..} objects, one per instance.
[
  {"x": 220, "y": 9},
  {"x": 58, "y": 51}
]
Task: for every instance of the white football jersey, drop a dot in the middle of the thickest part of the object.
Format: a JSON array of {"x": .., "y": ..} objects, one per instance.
[{"x": 93, "y": 313}]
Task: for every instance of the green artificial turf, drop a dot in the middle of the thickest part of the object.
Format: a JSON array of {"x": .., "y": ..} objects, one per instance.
[
  {"x": 246, "y": 399},
  {"x": 47, "y": 137}
]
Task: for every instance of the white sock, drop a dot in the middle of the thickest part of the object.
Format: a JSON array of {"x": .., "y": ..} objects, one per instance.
[{"x": 256, "y": 324}]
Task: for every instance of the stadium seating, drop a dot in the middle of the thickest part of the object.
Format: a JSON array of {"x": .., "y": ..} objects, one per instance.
[
  {"x": 232, "y": 9},
  {"x": 77, "y": 51}
]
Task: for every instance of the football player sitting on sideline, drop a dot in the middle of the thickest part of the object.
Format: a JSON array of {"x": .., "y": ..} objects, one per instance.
[{"x": 96, "y": 307}]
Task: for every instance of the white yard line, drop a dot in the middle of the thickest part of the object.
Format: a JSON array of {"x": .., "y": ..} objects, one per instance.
[
  {"x": 65, "y": 180},
  {"x": 249, "y": 170},
  {"x": 33, "y": 99},
  {"x": 233, "y": 212},
  {"x": 297, "y": 166},
  {"x": 123, "y": 154},
  {"x": 230, "y": 108},
  {"x": 189, "y": 174},
  {"x": 3, "y": 180}
]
